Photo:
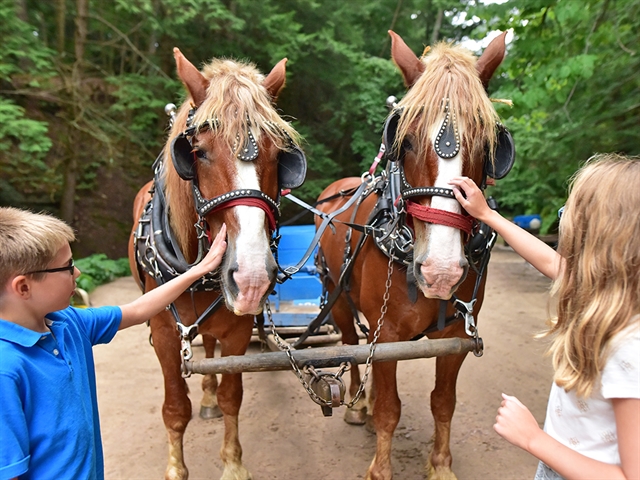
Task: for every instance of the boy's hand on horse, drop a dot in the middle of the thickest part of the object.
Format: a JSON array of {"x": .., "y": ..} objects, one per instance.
[{"x": 154, "y": 301}]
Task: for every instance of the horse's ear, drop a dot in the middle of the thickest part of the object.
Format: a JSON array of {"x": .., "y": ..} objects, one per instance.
[
  {"x": 274, "y": 82},
  {"x": 491, "y": 59},
  {"x": 193, "y": 80},
  {"x": 407, "y": 61}
]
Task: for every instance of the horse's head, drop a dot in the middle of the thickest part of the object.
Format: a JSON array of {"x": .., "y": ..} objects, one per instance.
[
  {"x": 231, "y": 154},
  {"x": 444, "y": 127}
]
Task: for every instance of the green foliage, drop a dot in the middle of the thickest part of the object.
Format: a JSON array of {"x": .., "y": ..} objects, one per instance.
[
  {"x": 572, "y": 73},
  {"x": 97, "y": 270}
]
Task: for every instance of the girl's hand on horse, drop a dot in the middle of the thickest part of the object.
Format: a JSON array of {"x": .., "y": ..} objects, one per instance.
[
  {"x": 213, "y": 258},
  {"x": 470, "y": 197},
  {"x": 515, "y": 423}
]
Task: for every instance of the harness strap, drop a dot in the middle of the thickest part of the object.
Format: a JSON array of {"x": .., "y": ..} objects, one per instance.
[
  {"x": 442, "y": 312},
  {"x": 327, "y": 219},
  {"x": 250, "y": 202},
  {"x": 246, "y": 196},
  {"x": 440, "y": 217}
]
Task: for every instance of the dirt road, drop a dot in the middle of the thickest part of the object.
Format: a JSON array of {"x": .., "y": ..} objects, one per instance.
[{"x": 283, "y": 433}]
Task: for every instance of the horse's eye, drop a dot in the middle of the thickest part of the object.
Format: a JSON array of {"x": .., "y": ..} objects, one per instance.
[
  {"x": 201, "y": 154},
  {"x": 407, "y": 145}
]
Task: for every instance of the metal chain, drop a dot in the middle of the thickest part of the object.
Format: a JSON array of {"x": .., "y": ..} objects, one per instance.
[
  {"x": 284, "y": 346},
  {"x": 376, "y": 334}
]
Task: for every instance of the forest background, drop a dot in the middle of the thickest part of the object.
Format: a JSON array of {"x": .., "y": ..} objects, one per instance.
[{"x": 83, "y": 85}]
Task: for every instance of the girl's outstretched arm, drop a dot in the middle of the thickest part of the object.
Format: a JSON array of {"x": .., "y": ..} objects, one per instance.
[
  {"x": 544, "y": 258},
  {"x": 154, "y": 301},
  {"x": 516, "y": 424}
]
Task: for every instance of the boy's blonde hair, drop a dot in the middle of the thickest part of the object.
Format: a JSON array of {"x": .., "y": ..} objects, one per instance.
[
  {"x": 29, "y": 241},
  {"x": 598, "y": 290}
]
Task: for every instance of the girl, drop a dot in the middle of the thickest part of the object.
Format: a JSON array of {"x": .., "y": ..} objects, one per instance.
[{"x": 592, "y": 426}]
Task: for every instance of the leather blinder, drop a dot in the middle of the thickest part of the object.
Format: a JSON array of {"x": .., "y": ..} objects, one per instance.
[
  {"x": 183, "y": 157},
  {"x": 389, "y": 133},
  {"x": 292, "y": 168},
  {"x": 504, "y": 156}
]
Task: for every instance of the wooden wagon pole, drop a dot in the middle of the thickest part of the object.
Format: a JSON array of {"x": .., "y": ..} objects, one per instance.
[{"x": 324, "y": 357}]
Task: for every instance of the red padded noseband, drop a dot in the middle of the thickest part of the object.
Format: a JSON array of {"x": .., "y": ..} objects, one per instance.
[
  {"x": 250, "y": 202},
  {"x": 440, "y": 217}
]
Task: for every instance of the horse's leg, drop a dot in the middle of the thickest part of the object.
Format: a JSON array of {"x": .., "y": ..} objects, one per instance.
[
  {"x": 443, "y": 403},
  {"x": 343, "y": 317},
  {"x": 209, "y": 406},
  {"x": 230, "y": 399},
  {"x": 386, "y": 415},
  {"x": 176, "y": 409}
]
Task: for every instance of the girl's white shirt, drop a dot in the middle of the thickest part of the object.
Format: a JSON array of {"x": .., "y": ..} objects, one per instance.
[{"x": 588, "y": 425}]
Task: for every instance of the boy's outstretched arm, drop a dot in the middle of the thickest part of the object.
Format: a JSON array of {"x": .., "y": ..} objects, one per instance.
[
  {"x": 156, "y": 300},
  {"x": 544, "y": 258}
]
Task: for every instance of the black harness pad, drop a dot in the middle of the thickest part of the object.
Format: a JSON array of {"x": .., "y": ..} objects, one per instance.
[
  {"x": 505, "y": 155},
  {"x": 183, "y": 157},
  {"x": 292, "y": 168},
  {"x": 447, "y": 143}
]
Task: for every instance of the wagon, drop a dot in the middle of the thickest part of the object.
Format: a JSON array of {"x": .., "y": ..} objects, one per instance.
[{"x": 295, "y": 303}]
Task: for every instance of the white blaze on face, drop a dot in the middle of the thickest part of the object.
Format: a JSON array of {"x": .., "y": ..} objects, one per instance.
[
  {"x": 444, "y": 241},
  {"x": 441, "y": 261},
  {"x": 251, "y": 246}
]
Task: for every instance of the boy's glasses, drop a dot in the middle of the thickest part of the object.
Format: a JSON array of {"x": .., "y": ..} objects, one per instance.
[{"x": 69, "y": 268}]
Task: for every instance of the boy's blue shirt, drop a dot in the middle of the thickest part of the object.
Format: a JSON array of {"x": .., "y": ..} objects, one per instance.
[{"x": 49, "y": 424}]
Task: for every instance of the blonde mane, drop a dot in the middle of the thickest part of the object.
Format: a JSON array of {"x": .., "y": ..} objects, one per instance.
[
  {"x": 235, "y": 99},
  {"x": 450, "y": 77}
]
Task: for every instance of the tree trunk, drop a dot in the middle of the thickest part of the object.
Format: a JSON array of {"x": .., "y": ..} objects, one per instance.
[
  {"x": 67, "y": 203},
  {"x": 436, "y": 27},
  {"x": 61, "y": 17},
  {"x": 21, "y": 10}
]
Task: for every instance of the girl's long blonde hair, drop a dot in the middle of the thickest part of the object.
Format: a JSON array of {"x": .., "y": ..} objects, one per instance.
[{"x": 598, "y": 290}]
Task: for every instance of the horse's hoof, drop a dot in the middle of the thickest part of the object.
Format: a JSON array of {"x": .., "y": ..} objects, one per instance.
[
  {"x": 440, "y": 473},
  {"x": 209, "y": 413},
  {"x": 236, "y": 472},
  {"x": 355, "y": 417},
  {"x": 175, "y": 473}
]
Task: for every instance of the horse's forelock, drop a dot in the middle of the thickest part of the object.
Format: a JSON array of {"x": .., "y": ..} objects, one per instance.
[
  {"x": 236, "y": 97},
  {"x": 450, "y": 73}
]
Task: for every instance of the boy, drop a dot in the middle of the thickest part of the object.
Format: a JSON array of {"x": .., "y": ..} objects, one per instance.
[{"x": 49, "y": 426}]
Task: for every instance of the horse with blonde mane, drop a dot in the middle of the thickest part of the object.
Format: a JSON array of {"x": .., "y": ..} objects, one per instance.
[
  {"x": 226, "y": 158},
  {"x": 444, "y": 127}
]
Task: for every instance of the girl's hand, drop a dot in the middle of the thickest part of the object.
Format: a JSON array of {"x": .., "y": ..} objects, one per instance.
[
  {"x": 470, "y": 197},
  {"x": 213, "y": 258},
  {"x": 515, "y": 423}
]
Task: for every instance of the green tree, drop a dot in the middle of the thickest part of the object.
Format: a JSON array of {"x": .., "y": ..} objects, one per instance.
[{"x": 572, "y": 73}]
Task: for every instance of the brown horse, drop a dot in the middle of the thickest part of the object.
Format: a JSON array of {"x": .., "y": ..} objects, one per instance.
[
  {"x": 442, "y": 128},
  {"x": 227, "y": 156}
]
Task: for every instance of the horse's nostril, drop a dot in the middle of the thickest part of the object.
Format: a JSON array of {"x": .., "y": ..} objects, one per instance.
[
  {"x": 273, "y": 271},
  {"x": 232, "y": 286}
]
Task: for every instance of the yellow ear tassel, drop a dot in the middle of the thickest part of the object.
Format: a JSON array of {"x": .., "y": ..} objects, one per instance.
[
  {"x": 425, "y": 51},
  {"x": 502, "y": 100}
]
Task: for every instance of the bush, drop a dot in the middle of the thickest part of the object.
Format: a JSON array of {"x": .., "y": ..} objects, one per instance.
[{"x": 97, "y": 269}]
